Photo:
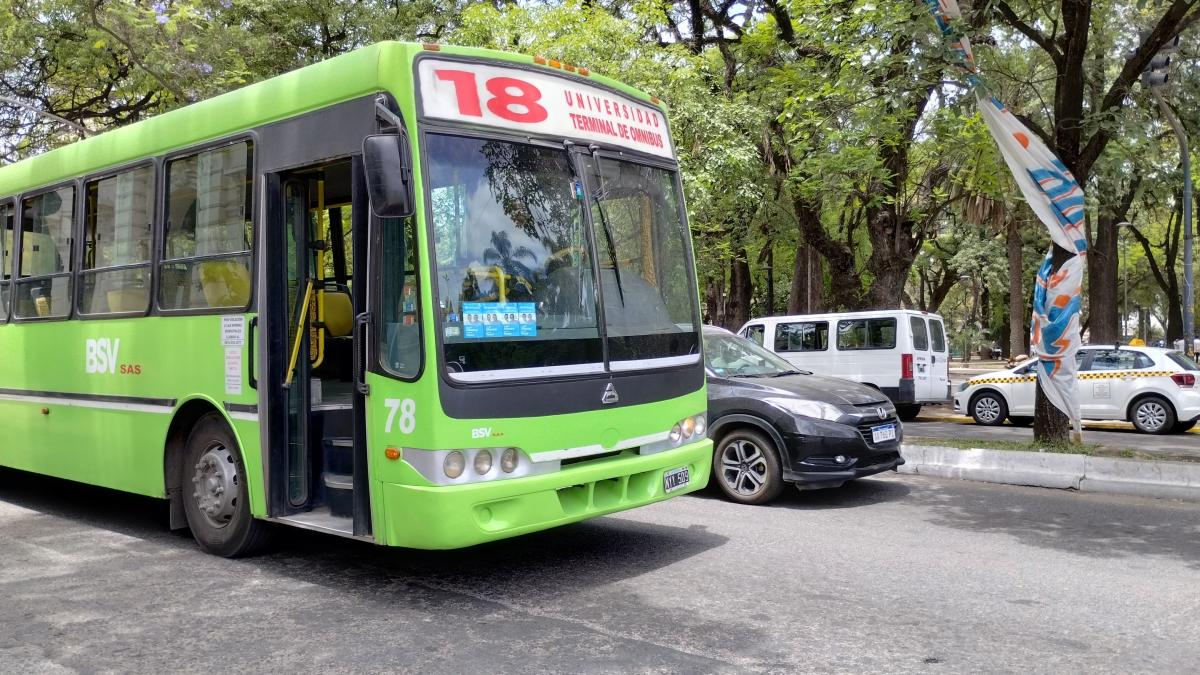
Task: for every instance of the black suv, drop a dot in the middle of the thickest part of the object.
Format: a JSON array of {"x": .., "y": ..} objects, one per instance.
[{"x": 772, "y": 424}]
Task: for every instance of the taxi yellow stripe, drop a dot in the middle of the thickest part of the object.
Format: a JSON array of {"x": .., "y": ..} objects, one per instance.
[{"x": 1106, "y": 375}]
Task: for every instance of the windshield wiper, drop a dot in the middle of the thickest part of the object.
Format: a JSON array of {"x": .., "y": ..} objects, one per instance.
[
  {"x": 791, "y": 372},
  {"x": 612, "y": 246}
]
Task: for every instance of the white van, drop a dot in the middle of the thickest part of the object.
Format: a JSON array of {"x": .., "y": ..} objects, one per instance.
[{"x": 901, "y": 352}]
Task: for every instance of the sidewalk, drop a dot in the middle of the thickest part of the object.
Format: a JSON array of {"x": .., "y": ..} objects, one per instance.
[{"x": 1143, "y": 478}]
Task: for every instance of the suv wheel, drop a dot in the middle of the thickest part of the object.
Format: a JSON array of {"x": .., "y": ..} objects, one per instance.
[
  {"x": 989, "y": 409},
  {"x": 747, "y": 467},
  {"x": 1152, "y": 415}
]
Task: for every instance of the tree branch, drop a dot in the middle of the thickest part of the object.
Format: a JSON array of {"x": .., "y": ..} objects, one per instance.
[
  {"x": 1038, "y": 37},
  {"x": 158, "y": 77}
]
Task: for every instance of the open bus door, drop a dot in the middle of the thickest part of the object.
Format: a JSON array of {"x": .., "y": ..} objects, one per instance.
[{"x": 314, "y": 411}]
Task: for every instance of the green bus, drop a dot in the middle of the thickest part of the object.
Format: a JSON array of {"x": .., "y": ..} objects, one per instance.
[{"x": 419, "y": 295}]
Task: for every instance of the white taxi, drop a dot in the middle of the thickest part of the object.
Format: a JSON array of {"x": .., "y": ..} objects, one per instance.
[{"x": 1153, "y": 388}]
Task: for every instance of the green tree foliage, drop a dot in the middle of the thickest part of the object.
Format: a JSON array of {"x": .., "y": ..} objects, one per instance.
[{"x": 831, "y": 155}]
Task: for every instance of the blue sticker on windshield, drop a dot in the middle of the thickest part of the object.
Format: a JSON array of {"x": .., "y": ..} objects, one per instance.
[{"x": 482, "y": 320}]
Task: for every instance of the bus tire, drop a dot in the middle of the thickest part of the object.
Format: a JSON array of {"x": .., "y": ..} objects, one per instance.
[{"x": 215, "y": 498}]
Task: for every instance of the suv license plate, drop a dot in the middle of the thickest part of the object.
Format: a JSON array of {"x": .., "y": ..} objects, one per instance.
[
  {"x": 675, "y": 479},
  {"x": 883, "y": 432}
]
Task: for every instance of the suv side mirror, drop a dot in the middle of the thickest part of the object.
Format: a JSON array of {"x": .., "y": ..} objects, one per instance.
[{"x": 389, "y": 177}]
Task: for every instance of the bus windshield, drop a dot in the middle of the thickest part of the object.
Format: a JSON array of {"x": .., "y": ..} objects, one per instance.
[{"x": 516, "y": 271}]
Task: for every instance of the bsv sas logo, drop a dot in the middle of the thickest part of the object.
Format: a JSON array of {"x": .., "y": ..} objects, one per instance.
[{"x": 102, "y": 357}]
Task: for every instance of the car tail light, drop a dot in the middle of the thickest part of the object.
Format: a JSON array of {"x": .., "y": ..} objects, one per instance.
[
  {"x": 1185, "y": 380},
  {"x": 906, "y": 370}
]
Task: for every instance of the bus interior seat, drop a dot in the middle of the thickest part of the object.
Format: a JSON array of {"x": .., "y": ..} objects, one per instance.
[
  {"x": 338, "y": 324},
  {"x": 116, "y": 295},
  {"x": 224, "y": 283},
  {"x": 339, "y": 313}
]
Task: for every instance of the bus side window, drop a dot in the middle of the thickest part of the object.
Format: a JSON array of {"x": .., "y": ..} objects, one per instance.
[
  {"x": 400, "y": 337},
  {"x": 7, "y": 215},
  {"x": 43, "y": 289},
  {"x": 115, "y": 275},
  {"x": 209, "y": 230}
]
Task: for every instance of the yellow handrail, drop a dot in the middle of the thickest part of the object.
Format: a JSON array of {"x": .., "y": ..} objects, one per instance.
[{"x": 299, "y": 335}]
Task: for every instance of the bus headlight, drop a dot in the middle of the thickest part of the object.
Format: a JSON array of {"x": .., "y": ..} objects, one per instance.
[
  {"x": 701, "y": 425},
  {"x": 689, "y": 427},
  {"x": 509, "y": 460},
  {"x": 483, "y": 462},
  {"x": 676, "y": 433},
  {"x": 454, "y": 465}
]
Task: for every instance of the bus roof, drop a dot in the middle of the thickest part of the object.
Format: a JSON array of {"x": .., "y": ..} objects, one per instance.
[{"x": 379, "y": 67}]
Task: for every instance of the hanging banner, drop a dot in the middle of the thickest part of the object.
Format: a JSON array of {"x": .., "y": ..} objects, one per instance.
[{"x": 1057, "y": 199}]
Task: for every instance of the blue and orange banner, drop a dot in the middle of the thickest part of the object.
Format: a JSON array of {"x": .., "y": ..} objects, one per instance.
[{"x": 1055, "y": 196}]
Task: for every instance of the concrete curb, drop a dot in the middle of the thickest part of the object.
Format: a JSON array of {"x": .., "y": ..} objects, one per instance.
[{"x": 1164, "y": 480}]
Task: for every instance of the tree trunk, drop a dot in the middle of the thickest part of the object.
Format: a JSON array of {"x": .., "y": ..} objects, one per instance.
[
  {"x": 804, "y": 296},
  {"x": 741, "y": 289},
  {"x": 1050, "y": 424},
  {"x": 887, "y": 288},
  {"x": 1103, "y": 317},
  {"x": 714, "y": 291},
  {"x": 1017, "y": 333}
]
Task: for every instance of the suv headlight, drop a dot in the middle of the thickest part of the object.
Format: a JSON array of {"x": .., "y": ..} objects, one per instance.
[{"x": 805, "y": 408}]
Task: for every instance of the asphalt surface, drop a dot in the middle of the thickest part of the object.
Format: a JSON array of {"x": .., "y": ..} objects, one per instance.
[
  {"x": 941, "y": 422},
  {"x": 891, "y": 574}
]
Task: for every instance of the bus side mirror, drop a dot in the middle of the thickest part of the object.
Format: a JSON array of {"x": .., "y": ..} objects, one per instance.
[{"x": 389, "y": 176}]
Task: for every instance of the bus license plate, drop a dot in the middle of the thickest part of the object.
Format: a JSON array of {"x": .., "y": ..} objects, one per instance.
[
  {"x": 883, "y": 432},
  {"x": 675, "y": 479}
]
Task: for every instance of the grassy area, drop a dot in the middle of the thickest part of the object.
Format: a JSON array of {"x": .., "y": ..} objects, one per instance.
[{"x": 1091, "y": 449}]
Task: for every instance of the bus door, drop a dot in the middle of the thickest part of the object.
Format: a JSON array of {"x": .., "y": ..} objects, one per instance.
[{"x": 317, "y": 477}]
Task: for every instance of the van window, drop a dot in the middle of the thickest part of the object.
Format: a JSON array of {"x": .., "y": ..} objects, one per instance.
[
  {"x": 866, "y": 334},
  {"x": 807, "y": 336},
  {"x": 920, "y": 335},
  {"x": 754, "y": 333},
  {"x": 939, "y": 337}
]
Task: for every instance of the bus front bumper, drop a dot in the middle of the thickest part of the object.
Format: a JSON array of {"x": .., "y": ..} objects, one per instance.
[{"x": 464, "y": 515}]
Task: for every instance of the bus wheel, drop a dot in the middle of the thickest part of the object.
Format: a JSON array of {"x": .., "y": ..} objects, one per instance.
[{"x": 215, "y": 497}]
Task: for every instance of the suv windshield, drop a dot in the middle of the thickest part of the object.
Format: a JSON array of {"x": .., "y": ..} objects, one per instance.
[
  {"x": 728, "y": 355},
  {"x": 516, "y": 288}
]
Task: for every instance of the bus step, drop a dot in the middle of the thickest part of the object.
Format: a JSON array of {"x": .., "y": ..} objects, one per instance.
[
  {"x": 339, "y": 494},
  {"x": 339, "y": 455}
]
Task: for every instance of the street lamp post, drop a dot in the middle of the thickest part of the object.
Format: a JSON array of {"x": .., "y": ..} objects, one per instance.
[
  {"x": 1154, "y": 79},
  {"x": 1125, "y": 271}
]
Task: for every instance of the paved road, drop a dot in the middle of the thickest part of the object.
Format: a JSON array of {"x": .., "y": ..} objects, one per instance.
[
  {"x": 896, "y": 574},
  {"x": 942, "y": 423}
]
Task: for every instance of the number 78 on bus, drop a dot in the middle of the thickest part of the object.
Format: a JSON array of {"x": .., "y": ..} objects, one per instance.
[{"x": 418, "y": 295}]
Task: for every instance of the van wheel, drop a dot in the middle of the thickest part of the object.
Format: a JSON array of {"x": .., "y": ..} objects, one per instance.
[
  {"x": 747, "y": 467},
  {"x": 1020, "y": 421},
  {"x": 1152, "y": 415},
  {"x": 1183, "y": 427},
  {"x": 989, "y": 409},
  {"x": 215, "y": 500},
  {"x": 908, "y": 412}
]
